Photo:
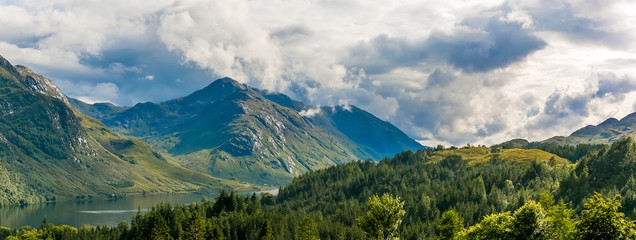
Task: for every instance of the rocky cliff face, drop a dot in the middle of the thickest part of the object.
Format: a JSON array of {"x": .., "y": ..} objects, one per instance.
[{"x": 41, "y": 84}]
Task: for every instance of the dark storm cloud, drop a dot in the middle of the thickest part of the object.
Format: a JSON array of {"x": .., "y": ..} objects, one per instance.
[
  {"x": 477, "y": 45},
  {"x": 498, "y": 45}
]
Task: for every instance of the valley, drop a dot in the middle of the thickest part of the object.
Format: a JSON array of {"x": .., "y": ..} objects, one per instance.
[{"x": 326, "y": 166}]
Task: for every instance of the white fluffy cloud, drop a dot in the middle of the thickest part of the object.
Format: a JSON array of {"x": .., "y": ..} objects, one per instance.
[
  {"x": 221, "y": 36},
  {"x": 89, "y": 93},
  {"x": 451, "y": 72}
]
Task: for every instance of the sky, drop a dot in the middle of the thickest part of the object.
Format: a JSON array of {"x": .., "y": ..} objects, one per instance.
[{"x": 445, "y": 72}]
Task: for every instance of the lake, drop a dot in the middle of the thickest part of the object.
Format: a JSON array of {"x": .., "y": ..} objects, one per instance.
[{"x": 95, "y": 212}]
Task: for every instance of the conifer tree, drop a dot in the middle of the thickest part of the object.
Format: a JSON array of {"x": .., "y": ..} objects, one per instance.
[
  {"x": 307, "y": 230},
  {"x": 450, "y": 225},
  {"x": 383, "y": 217}
]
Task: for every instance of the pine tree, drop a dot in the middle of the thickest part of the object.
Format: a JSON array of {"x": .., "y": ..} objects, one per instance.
[
  {"x": 383, "y": 217},
  {"x": 266, "y": 231},
  {"x": 450, "y": 225},
  {"x": 307, "y": 230}
]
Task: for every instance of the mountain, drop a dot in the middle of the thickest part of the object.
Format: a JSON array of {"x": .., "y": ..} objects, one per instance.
[
  {"x": 609, "y": 131},
  {"x": 230, "y": 130},
  {"x": 39, "y": 83},
  {"x": 378, "y": 138},
  {"x": 48, "y": 151}
]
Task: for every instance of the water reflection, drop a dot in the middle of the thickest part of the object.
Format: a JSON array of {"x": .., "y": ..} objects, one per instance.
[{"x": 94, "y": 212}]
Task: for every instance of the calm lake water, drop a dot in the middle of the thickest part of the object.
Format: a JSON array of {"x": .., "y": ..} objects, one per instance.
[{"x": 95, "y": 212}]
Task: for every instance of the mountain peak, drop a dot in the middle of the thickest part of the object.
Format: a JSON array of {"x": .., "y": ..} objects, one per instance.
[
  {"x": 217, "y": 89},
  {"x": 226, "y": 81},
  {"x": 609, "y": 121},
  {"x": 39, "y": 83}
]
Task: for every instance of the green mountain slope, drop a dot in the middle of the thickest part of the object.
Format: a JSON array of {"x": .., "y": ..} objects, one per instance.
[
  {"x": 233, "y": 131},
  {"x": 48, "y": 151}
]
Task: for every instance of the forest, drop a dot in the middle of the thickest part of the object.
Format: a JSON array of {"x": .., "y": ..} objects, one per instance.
[{"x": 460, "y": 193}]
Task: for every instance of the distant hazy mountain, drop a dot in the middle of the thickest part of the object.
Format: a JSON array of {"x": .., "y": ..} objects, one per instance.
[
  {"x": 230, "y": 130},
  {"x": 48, "y": 151},
  {"x": 609, "y": 131}
]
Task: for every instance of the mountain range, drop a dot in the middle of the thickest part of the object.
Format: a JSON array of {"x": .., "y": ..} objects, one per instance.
[
  {"x": 609, "y": 131},
  {"x": 226, "y": 135},
  {"x": 233, "y": 131},
  {"x": 49, "y": 150},
  {"x": 606, "y": 132}
]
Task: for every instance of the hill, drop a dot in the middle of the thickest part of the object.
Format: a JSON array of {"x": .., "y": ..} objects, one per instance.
[
  {"x": 474, "y": 181},
  {"x": 230, "y": 130},
  {"x": 50, "y": 152}
]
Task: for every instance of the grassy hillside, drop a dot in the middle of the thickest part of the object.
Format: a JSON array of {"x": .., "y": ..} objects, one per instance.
[
  {"x": 140, "y": 153},
  {"x": 474, "y": 155}
]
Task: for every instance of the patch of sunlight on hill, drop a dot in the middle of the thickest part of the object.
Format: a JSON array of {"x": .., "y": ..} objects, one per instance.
[{"x": 474, "y": 155}]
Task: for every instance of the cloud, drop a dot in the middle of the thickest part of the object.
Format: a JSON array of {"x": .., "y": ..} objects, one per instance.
[
  {"x": 581, "y": 21},
  {"x": 500, "y": 44},
  {"x": 100, "y": 92},
  {"x": 311, "y": 112},
  {"x": 440, "y": 78},
  {"x": 610, "y": 85},
  {"x": 226, "y": 42},
  {"x": 604, "y": 95},
  {"x": 444, "y": 71},
  {"x": 476, "y": 45},
  {"x": 291, "y": 33}
]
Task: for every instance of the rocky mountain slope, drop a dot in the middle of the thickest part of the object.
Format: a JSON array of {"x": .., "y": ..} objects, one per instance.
[
  {"x": 230, "y": 130},
  {"x": 376, "y": 137},
  {"x": 49, "y": 151}
]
